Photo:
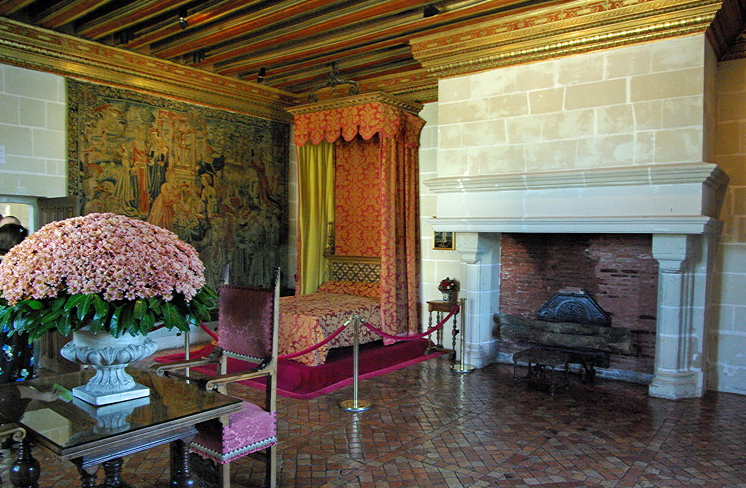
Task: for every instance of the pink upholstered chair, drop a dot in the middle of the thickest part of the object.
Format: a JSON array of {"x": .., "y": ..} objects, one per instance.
[{"x": 247, "y": 330}]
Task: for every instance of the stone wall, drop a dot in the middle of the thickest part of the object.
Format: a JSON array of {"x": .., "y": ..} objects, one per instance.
[{"x": 33, "y": 114}]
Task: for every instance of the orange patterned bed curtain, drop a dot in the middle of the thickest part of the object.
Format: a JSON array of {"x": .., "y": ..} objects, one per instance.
[
  {"x": 357, "y": 176},
  {"x": 398, "y": 134}
]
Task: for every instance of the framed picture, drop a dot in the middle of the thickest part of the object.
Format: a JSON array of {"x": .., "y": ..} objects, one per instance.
[{"x": 444, "y": 240}]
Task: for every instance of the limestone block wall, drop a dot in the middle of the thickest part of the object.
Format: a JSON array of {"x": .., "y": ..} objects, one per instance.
[
  {"x": 635, "y": 105},
  {"x": 658, "y": 103},
  {"x": 728, "y": 340},
  {"x": 33, "y": 118},
  {"x": 436, "y": 264}
]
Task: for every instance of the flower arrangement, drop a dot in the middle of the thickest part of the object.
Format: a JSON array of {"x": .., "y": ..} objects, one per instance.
[
  {"x": 105, "y": 271},
  {"x": 447, "y": 284}
]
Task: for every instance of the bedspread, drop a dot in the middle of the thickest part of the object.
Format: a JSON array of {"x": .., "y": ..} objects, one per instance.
[{"x": 306, "y": 320}]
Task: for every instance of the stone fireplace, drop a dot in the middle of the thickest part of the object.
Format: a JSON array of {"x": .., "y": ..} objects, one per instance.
[{"x": 675, "y": 205}]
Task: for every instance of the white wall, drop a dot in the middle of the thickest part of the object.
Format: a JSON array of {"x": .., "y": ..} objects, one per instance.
[
  {"x": 728, "y": 344},
  {"x": 629, "y": 106},
  {"x": 33, "y": 137}
]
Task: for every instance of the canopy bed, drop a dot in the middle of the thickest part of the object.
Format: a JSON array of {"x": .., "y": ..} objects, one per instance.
[{"x": 358, "y": 214}]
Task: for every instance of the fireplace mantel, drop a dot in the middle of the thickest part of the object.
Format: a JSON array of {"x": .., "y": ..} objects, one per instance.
[
  {"x": 669, "y": 199},
  {"x": 677, "y": 203}
]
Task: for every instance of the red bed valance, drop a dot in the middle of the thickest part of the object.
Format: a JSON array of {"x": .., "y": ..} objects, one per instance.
[{"x": 366, "y": 119}]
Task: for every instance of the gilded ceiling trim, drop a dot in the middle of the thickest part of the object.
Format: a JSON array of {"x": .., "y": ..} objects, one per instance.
[
  {"x": 373, "y": 97},
  {"x": 44, "y": 50},
  {"x": 575, "y": 27}
]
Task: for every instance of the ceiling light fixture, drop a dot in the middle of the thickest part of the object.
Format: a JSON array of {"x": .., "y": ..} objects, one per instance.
[
  {"x": 332, "y": 82},
  {"x": 183, "y": 22},
  {"x": 199, "y": 56},
  {"x": 126, "y": 36},
  {"x": 430, "y": 11}
]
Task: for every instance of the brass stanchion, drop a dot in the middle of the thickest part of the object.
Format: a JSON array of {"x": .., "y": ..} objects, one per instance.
[
  {"x": 355, "y": 405},
  {"x": 187, "y": 352},
  {"x": 462, "y": 367}
]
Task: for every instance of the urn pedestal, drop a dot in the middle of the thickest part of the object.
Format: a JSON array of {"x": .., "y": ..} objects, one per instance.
[{"x": 108, "y": 356}]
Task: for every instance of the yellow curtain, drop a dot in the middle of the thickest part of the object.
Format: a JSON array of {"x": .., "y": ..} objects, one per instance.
[{"x": 315, "y": 210}]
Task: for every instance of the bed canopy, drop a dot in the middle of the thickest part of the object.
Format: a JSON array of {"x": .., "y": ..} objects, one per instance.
[{"x": 358, "y": 189}]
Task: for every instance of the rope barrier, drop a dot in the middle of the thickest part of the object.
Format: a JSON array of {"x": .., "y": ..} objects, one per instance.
[
  {"x": 416, "y": 336},
  {"x": 343, "y": 326},
  {"x": 209, "y": 332},
  {"x": 316, "y": 346}
]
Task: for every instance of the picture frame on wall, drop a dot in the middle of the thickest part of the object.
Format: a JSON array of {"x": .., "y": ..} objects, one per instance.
[{"x": 444, "y": 241}]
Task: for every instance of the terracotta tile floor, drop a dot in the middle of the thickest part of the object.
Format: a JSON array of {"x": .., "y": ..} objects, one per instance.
[{"x": 431, "y": 427}]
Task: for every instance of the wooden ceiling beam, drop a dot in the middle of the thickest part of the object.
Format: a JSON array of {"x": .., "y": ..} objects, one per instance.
[
  {"x": 8, "y": 7},
  {"x": 203, "y": 15},
  {"x": 287, "y": 44},
  {"x": 240, "y": 27},
  {"x": 341, "y": 41},
  {"x": 63, "y": 13},
  {"x": 130, "y": 14},
  {"x": 363, "y": 75},
  {"x": 317, "y": 71}
]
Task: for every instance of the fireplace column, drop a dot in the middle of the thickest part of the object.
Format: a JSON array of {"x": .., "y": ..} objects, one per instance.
[
  {"x": 480, "y": 254},
  {"x": 679, "y": 332}
]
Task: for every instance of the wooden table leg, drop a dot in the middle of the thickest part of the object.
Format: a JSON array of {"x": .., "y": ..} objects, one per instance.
[
  {"x": 87, "y": 475},
  {"x": 180, "y": 474},
  {"x": 25, "y": 471},
  {"x": 113, "y": 470}
]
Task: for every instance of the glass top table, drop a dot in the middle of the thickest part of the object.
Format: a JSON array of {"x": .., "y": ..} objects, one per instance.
[{"x": 90, "y": 436}]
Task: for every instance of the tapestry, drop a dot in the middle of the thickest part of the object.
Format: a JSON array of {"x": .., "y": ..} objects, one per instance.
[{"x": 218, "y": 179}]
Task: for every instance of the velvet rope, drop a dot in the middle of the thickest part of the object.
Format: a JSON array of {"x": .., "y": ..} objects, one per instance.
[
  {"x": 316, "y": 346},
  {"x": 339, "y": 331},
  {"x": 209, "y": 332},
  {"x": 416, "y": 336}
]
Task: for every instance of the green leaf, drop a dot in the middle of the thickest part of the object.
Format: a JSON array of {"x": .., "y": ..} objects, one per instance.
[
  {"x": 32, "y": 304},
  {"x": 102, "y": 310},
  {"x": 40, "y": 331},
  {"x": 171, "y": 316},
  {"x": 147, "y": 323},
  {"x": 114, "y": 325},
  {"x": 6, "y": 314},
  {"x": 102, "y": 307},
  {"x": 73, "y": 301},
  {"x": 52, "y": 317},
  {"x": 85, "y": 306},
  {"x": 58, "y": 304},
  {"x": 65, "y": 326},
  {"x": 192, "y": 321},
  {"x": 140, "y": 309},
  {"x": 127, "y": 320}
]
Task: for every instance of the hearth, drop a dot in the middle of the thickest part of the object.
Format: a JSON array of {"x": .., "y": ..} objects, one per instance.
[{"x": 570, "y": 325}]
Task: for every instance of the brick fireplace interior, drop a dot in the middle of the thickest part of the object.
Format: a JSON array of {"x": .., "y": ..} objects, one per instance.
[{"x": 617, "y": 270}]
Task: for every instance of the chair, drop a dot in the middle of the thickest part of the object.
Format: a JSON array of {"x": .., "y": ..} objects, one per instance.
[{"x": 247, "y": 330}]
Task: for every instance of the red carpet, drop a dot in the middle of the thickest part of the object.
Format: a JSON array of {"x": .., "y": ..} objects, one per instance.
[{"x": 296, "y": 380}]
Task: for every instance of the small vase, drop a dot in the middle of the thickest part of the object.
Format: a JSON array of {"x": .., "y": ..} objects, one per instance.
[
  {"x": 109, "y": 356},
  {"x": 447, "y": 296}
]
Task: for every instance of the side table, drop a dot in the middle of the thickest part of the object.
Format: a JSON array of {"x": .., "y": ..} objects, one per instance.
[
  {"x": 442, "y": 309},
  {"x": 543, "y": 368}
]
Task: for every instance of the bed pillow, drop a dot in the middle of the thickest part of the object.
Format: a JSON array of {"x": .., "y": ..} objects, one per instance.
[{"x": 370, "y": 290}]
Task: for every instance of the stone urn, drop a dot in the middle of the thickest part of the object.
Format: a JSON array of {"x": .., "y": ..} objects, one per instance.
[{"x": 108, "y": 356}]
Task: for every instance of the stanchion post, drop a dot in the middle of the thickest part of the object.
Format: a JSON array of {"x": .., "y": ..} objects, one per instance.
[
  {"x": 462, "y": 367},
  {"x": 355, "y": 405},
  {"x": 187, "y": 352}
]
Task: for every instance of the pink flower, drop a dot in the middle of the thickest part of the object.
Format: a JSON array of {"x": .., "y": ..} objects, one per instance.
[{"x": 117, "y": 256}]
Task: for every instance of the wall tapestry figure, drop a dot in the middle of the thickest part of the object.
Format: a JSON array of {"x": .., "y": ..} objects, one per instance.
[{"x": 216, "y": 178}]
